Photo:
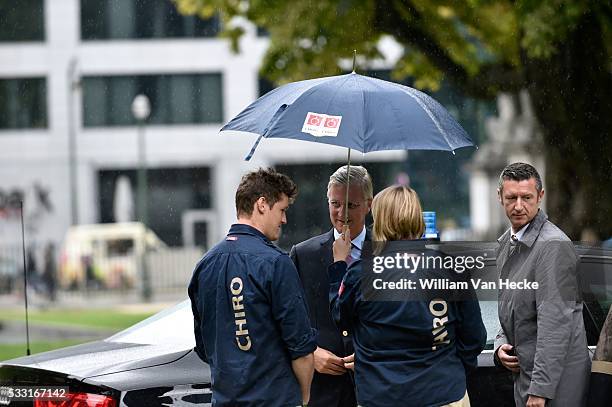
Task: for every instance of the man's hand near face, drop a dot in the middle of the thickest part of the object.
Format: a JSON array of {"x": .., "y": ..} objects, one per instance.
[{"x": 342, "y": 246}]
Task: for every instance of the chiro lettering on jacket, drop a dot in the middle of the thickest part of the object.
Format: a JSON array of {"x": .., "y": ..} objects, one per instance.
[
  {"x": 439, "y": 310},
  {"x": 242, "y": 333}
]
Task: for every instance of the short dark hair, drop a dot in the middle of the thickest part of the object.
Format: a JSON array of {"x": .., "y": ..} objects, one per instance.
[
  {"x": 520, "y": 172},
  {"x": 359, "y": 176},
  {"x": 263, "y": 182}
]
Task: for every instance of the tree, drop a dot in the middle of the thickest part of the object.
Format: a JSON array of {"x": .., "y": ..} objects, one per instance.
[{"x": 559, "y": 50}]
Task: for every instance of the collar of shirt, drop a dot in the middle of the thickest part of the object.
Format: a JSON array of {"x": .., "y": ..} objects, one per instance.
[
  {"x": 243, "y": 229},
  {"x": 356, "y": 243},
  {"x": 519, "y": 234}
]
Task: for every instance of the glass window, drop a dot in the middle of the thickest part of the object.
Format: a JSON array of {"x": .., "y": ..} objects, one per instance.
[
  {"x": 23, "y": 103},
  {"x": 140, "y": 19},
  {"x": 22, "y": 21},
  {"x": 170, "y": 192},
  {"x": 596, "y": 282},
  {"x": 175, "y": 99},
  {"x": 120, "y": 247}
]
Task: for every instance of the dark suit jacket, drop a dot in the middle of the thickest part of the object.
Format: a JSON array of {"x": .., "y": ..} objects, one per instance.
[{"x": 311, "y": 258}]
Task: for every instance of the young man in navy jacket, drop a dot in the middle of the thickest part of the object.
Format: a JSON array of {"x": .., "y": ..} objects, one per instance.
[{"x": 250, "y": 318}]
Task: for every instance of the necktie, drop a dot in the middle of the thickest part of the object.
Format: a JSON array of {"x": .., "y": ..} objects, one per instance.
[
  {"x": 350, "y": 259},
  {"x": 514, "y": 244}
]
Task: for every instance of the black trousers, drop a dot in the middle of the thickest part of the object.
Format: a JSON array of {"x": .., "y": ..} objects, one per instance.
[{"x": 332, "y": 391}]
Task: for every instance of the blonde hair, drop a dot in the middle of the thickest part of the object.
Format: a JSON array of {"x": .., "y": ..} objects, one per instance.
[{"x": 397, "y": 215}]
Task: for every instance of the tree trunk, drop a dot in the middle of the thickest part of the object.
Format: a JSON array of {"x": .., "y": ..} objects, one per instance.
[{"x": 572, "y": 94}]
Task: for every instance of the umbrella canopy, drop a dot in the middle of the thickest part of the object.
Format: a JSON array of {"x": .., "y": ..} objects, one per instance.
[{"x": 354, "y": 111}]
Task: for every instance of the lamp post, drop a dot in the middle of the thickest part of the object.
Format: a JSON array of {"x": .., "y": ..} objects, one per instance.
[
  {"x": 73, "y": 85},
  {"x": 141, "y": 109}
]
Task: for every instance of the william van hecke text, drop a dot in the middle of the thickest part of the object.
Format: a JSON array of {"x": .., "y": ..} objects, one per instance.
[{"x": 447, "y": 284}]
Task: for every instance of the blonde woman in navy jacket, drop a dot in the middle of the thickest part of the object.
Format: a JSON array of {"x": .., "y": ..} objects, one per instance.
[{"x": 402, "y": 356}]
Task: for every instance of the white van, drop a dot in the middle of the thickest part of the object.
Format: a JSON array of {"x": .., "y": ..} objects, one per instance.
[{"x": 105, "y": 255}]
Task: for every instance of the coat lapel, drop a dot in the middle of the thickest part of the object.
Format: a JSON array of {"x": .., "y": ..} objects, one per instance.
[
  {"x": 503, "y": 251},
  {"x": 528, "y": 239},
  {"x": 327, "y": 254},
  {"x": 534, "y": 228}
]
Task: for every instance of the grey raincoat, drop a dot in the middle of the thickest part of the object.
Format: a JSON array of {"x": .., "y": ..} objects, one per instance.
[{"x": 544, "y": 325}]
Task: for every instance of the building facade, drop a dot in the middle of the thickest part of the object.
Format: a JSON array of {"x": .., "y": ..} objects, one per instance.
[{"x": 69, "y": 71}]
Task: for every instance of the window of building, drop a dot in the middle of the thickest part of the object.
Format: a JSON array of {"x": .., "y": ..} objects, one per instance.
[
  {"x": 140, "y": 19},
  {"x": 171, "y": 192},
  {"x": 23, "y": 103},
  {"x": 22, "y": 21},
  {"x": 265, "y": 85},
  {"x": 175, "y": 99}
]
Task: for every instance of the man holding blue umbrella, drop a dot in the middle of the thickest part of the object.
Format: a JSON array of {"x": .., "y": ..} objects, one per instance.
[{"x": 333, "y": 384}]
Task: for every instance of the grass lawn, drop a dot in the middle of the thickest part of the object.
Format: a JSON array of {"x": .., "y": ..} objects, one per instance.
[
  {"x": 106, "y": 319},
  {"x": 12, "y": 351},
  {"x": 91, "y": 318}
]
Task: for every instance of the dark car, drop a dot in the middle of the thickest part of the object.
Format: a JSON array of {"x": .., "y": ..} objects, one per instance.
[
  {"x": 153, "y": 362},
  {"x": 149, "y": 364}
]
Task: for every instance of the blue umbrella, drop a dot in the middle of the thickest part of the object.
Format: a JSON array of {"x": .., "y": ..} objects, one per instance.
[{"x": 353, "y": 111}]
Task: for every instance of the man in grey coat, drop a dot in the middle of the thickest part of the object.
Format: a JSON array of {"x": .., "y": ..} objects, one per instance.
[{"x": 542, "y": 340}]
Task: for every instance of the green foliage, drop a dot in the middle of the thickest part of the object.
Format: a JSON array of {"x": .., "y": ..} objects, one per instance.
[
  {"x": 416, "y": 65},
  {"x": 441, "y": 37},
  {"x": 545, "y": 24}
]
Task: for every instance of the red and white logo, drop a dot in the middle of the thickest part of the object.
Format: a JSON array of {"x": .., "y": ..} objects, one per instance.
[
  {"x": 331, "y": 122},
  {"x": 314, "y": 119},
  {"x": 322, "y": 125}
]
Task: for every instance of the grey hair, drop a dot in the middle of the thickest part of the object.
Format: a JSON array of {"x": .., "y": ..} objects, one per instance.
[
  {"x": 359, "y": 176},
  {"x": 520, "y": 172}
]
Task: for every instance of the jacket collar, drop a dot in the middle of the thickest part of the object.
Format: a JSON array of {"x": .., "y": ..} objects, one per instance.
[
  {"x": 534, "y": 228},
  {"x": 532, "y": 232},
  {"x": 243, "y": 229},
  {"x": 328, "y": 238}
]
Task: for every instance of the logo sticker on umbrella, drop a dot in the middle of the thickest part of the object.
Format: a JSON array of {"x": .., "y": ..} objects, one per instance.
[{"x": 321, "y": 125}]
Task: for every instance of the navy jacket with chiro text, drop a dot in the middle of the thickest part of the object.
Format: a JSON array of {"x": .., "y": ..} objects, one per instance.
[
  {"x": 250, "y": 320},
  {"x": 411, "y": 352}
]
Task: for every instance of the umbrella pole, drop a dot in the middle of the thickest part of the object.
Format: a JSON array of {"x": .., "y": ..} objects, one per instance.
[
  {"x": 348, "y": 179},
  {"x": 348, "y": 165}
]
